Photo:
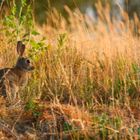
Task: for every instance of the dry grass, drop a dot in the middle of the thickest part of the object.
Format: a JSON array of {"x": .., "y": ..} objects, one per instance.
[{"x": 87, "y": 65}]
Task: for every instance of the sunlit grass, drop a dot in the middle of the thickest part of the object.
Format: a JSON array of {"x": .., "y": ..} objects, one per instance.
[{"x": 81, "y": 65}]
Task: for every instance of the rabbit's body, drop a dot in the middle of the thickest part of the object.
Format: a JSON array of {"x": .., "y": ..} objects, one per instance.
[
  {"x": 3, "y": 71},
  {"x": 12, "y": 79},
  {"x": 16, "y": 78}
]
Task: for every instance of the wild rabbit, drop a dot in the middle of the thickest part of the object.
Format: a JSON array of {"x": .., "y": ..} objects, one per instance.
[{"x": 15, "y": 78}]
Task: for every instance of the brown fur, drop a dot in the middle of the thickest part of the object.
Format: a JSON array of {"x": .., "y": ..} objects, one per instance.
[{"x": 14, "y": 79}]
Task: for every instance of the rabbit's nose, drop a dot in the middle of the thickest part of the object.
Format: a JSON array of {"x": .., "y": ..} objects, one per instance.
[{"x": 32, "y": 68}]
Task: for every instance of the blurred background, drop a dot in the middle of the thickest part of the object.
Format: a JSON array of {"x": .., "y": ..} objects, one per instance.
[{"x": 42, "y": 8}]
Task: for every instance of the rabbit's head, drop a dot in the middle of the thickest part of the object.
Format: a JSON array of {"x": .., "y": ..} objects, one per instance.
[{"x": 23, "y": 63}]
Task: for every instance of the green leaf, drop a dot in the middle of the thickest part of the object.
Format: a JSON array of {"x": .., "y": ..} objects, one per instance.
[{"x": 35, "y": 33}]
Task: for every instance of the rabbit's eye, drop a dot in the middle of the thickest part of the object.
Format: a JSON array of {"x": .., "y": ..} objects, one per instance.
[{"x": 28, "y": 61}]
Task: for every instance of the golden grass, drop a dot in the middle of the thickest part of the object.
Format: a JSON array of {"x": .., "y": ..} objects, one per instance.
[{"x": 88, "y": 65}]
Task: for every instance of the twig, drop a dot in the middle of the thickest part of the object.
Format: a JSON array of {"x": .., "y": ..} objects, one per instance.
[
  {"x": 17, "y": 120},
  {"x": 5, "y": 128}
]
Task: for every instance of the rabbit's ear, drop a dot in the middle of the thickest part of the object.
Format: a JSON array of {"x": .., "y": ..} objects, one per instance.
[{"x": 20, "y": 48}]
